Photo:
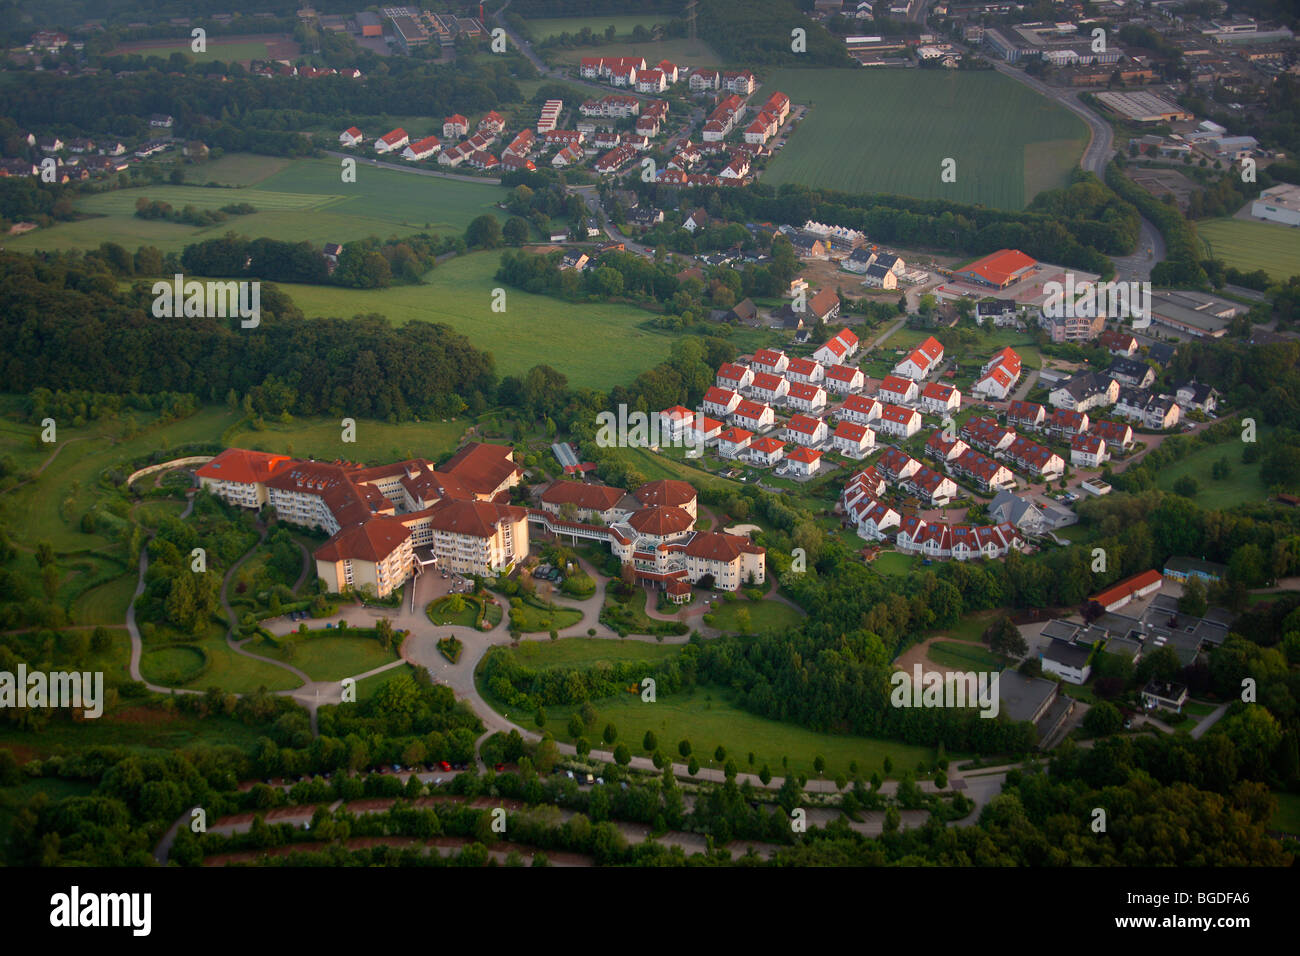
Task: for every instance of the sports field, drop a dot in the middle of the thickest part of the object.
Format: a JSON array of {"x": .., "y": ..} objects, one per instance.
[
  {"x": 235, "y": 49},
  {"x": 1251, "y": 245},
  {"x": 545, "y": 28},
  {"x": 889, "y": 131},
  {"x": 304, "y": 199},
  {"x": 595, "y": 345}
]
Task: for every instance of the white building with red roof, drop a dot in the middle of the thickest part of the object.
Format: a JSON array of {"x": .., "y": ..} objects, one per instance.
[
  {"x": 765, "y": 452},
  {"x": 922, "y": 360},
  {"x": 734, "y": 376},
  {"x": 351, "y": 136},
  {"x": 455, "y": 125},
  {"x": 806, "y": 397},
  {"x": 995, "y": 384},
  {"x": 853, "y": 440},
  {"x": 391, "y": 141},
  {"x": 940, "y": 399},
  {"x": 806, "y": 430},
  {"x": 421, "y": 149},
  {"x": 1088, "y": 451},
  {"x": 733, "y": 441},
  {"x": 769, "y": 387},
  {"x": 899, "y": 421},
  {"x": 720, "y": 401},
  {"x": 839, "y": 348},
  {"x": 897, "y": 389},
  {"x": 844, "y": 379},
  {"x": 770, "y": 360},
  {"x": 754, "y": 415},
  {"x": 861, "y": 409},
  {"x": 805, "y": 370},
  {"x": 803, "y": 462}
]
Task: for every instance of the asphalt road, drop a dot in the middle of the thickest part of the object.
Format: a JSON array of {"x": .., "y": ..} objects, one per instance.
[{"x": 1100, "y": 149}]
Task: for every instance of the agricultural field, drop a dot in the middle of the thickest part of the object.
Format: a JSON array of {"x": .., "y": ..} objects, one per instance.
[
  {"x": 233, "y": 50},
  {"x": 1251, "y": 245},
  {"x": 888, "y": 131},
  {"x": 545, "y": 28},
  {"x": 301, "y": 200},
  {"x": 597, "y": 346}
]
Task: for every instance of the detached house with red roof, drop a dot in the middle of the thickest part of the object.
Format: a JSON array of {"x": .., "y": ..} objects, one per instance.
[
  {"x": 455, "y": 125},
  {"x": 392, "y": 141},
  {"x": 734, "y": 441},
  {"x": 734, "y": 377},
  {"x": 421, "y": 149},
  {"x": 922, "y": 360},
  {"x": 768, "y": 387},
  {"x": 765, "y": 452},
  {"x": 351, "y": 136},
  {"x": 803, "y": 462},
  {"x": 805, "y": 370}
]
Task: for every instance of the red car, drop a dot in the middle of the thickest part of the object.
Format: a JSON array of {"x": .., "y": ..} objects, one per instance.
[{"x": 444, "y": 765}]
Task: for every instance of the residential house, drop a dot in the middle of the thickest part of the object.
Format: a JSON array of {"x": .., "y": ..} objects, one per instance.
[
  {"x": 985, "y": 433},
  {"x": 861, "y": 409},
  {"x": 1085, "y": 391},
  {"x": 838, "y": 348},
  {"x": 1132, "y": 373},
  {"x": 1197, "y": 395},
  {"x": 940, "y": 399},
  {"x": 878, "y": 277},
  {"x": 932, "y": 487},
  {"x": 454, "y": 126},
  {"x": 1029, "y": 415},
  {"x": 806, "y": 430},
  {"x": 720, "y": 401},
  {"x": 1035, "y": 459},
  {"x": 351, "y": 136},
  {"x": 770, "y": 360},
  {"x": 987, "y": 475},
  {"x": 805, "y": 370},
  {"x": 803, "y": 462},
  {"x": 769, "y": 387},
  {"x": 1117, "y": 436},
  {"x": 733, "y": 376},
  {"x": 899, "y": 421},
  {"x": 1087, "y": 451},
  {"x": 1156, "y": 412},
  {"x": 806, "y": 397},
  {"x": 844, "y": 379},
  {"x": 853, "y": 440},
  {"x": 899, "y": 390},
  {"x": 765, "y": 452},
  {"x": 1066, "y": 423},
  {"x": 754, "y": 415},
  {"x": 945, "y": 449},
  {"x": 922, "y": 360},
  {"x": 391, "y": 141}
]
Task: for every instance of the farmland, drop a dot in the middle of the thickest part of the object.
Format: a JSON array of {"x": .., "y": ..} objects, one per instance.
[
  {"x": 304, "y": 199},
  {"x": 1251, "y": 245},
  {"x": 867, "y": 137},
  {"x": 226, "y": 49},
  {"x": 594, "y": 345},
  {"x": 683, "y": 52}
]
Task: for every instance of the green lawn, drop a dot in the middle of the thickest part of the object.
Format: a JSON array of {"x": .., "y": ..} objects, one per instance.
[
  {"x": 325, "y": 656},
  {"x": 766, "y": 615},
  {"x": 375, "y": 441},
  {"x": 587, "y": 650},
  {"x": 304, "y": 200},
  {"x": 1287, "y": 815},
  {"x": 536, "y": 619},
  {"x": 595, "y": 345},
  {"x": 961, "y": 655},
  {"x": 139, "y": 729},
  {"x": 239, "y": 674},
  {"x": 1241, "y": 485},
  {"x": 371, "y": 685},
  {"x": 888, "y": 131},
  {"x": 895, "y": 563},
  {"x": 706, "y": 718},
  {"x": 237, "y": 169},
  {"x": 970, "y": 628},
  {"x": 171, "y": 665},
  {"x": 1251, "y": 245}
]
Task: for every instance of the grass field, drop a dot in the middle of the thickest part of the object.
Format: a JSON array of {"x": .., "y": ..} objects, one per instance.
[
  {"x": 961, "y": 655},
  {"x": 375, "y": 441},
  {"x": 587, "y": 650},
  {"x": 888, "y": 131},
  {"x": 545, "y": 28},
  {"x": 895, "y": 563},
  {"x": 329, "y": 657},
  {"x": 683, "y": 52},
  {"x": 1252, "y": 245},
  {"x": 303, "y": 199},
  {"x": 138, "y": 729},
  {"x": 706, "y": 718},
  {"x": 1241, "y": 485},
  {"x": 763, "y": 616},
  {"x": 228, "y": 52},
  {"x": 1287, "y": 815},
  {"x": 597, "y": 345}
]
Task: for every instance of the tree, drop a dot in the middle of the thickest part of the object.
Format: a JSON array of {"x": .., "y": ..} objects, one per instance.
[
  {"x": 575, "y": 727},
  {"x": 649, "y": 743},
  {"x": 819, "y": 764},
  {"x": 1187, "y": 486},
  {"x": 720, "y": 754},
  {"x": 1103, "y": 719},
  {"x": 540, "y": 717},
  {"x": 692, "y": 766},
  {"x": 1005, "y": 639},
  {"x": 765, "y": 775},
  {"x": 621, "y": 755},
  {"x": 516, "y": 230},
  {"x": 1194, "y": 600},
  {"x": 582, "y": 747},
  {"x": 684, "y": 748},
  {"x": 484, "y": 232},
  {"x": 610, "y": 734}
]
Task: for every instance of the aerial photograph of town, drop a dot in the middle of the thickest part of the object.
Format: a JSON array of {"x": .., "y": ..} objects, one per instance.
[{"x": 768, "y": 434}]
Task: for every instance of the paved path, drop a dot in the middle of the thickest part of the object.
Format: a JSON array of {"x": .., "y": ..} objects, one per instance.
[{"x": 1209, "y": 721}]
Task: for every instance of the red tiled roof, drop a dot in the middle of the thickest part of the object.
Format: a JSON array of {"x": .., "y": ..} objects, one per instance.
[
  {"x": 595, "y": 497},
  {"x": 719, "y": 546},
  {"x": 998, "y": 267},
  {"x": 660, "y": 521},
  {"x": 482, "y": 467},
  {"x": 1127, "y": 586},
  {"x": 374, "y": 540},
  {"x": 804, "y": 455},
  {"x": 665, "y": 491},
  {"x": 247, "y": 467}
]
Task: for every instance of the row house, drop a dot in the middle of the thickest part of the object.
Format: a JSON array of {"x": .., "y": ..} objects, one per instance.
[
  {"x": 932, "y": 487},
  {"x": 984, "y": 541},
  {"x": 606, "y": 67},
  {"x": 945, "y": 449},
  {"x": 421, "y": 149},
  {"x": 761, "y": 129},
  {"x": 571, "y": 155},
  {"x": 995, "y": 384},
  {"x": 1035, "y": 459},
  {"x": 1067, "y": 423},
  {"x": 868, "y": 482},
  {"x": 392, "y": 140},
  {"x": 613, "y": 106},
  {"x": 1156, "y": 412},
  {"x": 984, "y": 472},
  {"x": 1087, "y": 451},
  {"x": 563, "y": 137},
  {"x": 1117, "y": 436},
  {"x": 985, "y": 433},
  {"x": 740, "y": 82},
  {"x": 1028, "y": 415},
  {"x": 872, "y": 518},
  {"x": 897, "y": 465},
  {"x": 778, "y": 104},
  {"x": 615, "y": 159}
]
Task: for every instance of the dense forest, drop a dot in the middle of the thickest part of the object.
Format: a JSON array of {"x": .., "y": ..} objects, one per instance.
[{"x": 68, "y": 325}]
